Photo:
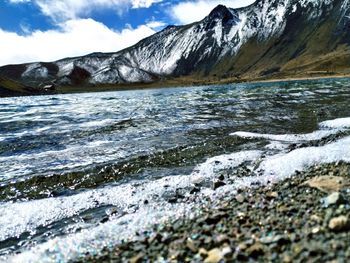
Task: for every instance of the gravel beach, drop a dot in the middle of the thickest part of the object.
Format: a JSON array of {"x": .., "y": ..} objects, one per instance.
[{"x": 302, "y": 219}]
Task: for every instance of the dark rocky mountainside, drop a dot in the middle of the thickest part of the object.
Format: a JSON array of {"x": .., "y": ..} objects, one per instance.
[{"x": 270, "y": 38}]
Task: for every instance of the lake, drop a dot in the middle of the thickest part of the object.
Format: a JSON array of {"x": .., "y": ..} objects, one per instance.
[{"x": 81, "y": 172}]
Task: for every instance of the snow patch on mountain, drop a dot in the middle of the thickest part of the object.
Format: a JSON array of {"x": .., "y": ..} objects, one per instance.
[{"x": 221, "y": 33}]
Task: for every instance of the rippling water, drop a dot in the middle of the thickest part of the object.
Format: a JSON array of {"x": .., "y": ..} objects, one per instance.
[{"x": 67, "y": 161}]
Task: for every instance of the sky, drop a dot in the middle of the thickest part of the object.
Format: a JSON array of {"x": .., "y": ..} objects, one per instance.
[{"x": 48, "y": 30}]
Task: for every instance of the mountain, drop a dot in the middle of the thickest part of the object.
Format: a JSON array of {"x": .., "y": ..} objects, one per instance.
[{"x": 270, "y": 38}]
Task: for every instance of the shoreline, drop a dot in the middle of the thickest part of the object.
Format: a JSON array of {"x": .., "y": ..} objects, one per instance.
[
  {"x": 176, "y": 83},
  {"x": 292, "y": 220}
]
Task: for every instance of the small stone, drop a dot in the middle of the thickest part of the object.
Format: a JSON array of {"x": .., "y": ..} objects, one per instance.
[
  {"x": 338, "y": 224},
  {"x": 287, "y": 259},
  {"x": 272, "y": 195},
  {"x": 316, "y": 218},
  {"x": 315, "y": 230},
  {"x": 203, "y": 252},
  {"x": 242, "y": 247},
  {"x": 226, "y": 251},
  {"x": 222, "y": 239},
  {"x": 271, "y": 239},
  {"x": 256, "y": 250},
  {"x": 214, "y": 256},
  {"x": 138, "y": 258},
  {"x": 221, "y": 177},
  {"x": 195, "y": 190},
  {"x": 218, "y": 184},
  {"x": 328, "y": 184},
  {"x": 240, "y": 198},
  {"x": 190, "y": 244},
  {"x": 215, "y": 218},
  {"x": 333, "y": 199},
  {"x": 104, "y": 220}
]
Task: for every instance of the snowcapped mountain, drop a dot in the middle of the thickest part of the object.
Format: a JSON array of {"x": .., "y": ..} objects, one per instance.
[{"x": 267, "y": 37}]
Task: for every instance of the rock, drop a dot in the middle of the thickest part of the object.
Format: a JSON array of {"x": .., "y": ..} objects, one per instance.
[
  {"x": 328, "y": 184},
  {"x": 202, "y": 252},
  {"x": 221, "y": 177},
  {"x": 242, "y": 247},
  {"x": 333, "y": 199},
  {"x": 272, "y": 239},
  {"x": 338, "y": 224},
  {"x": 272, "y": 195},
  {"x": 220, "y": 239},
  {"x": 240, "y": 198},
  {"x": 287, "y": 259},
  {"x": 215, "y": 218},
  {"x": 137, "y": 259},
  {"x": 195, "y": 190},
  {"x": 104, "y": 220},
  {"x": 256, "y": 250},
  {"x": 316, "y": 218},
  {"x": 226, "y": 251},
  {"x": 218, "y": 184},
  {"x": 214, "y": 256},
  {"x": 191, "y": 245},
  {"x": 315, "y": 230}
]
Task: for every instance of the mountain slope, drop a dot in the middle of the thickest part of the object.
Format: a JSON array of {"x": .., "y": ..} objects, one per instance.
[
  {"x": 268, "y": 38},
  {"x": 12, "y": 88}
]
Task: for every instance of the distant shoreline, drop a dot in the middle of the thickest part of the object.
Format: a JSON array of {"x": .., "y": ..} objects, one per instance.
[
  {"x": 171, "y": 83},
  {"x": 178, "y": 83}
]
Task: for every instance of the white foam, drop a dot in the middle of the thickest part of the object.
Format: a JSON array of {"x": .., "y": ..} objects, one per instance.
[
  {"x": 276, "y": 145},
  {"x": 336, "y": 124},
  {"x": 213, "y": 165},
  {"x": 317, "y": 135},
  {"x": 32, "y": 214},
  {"x": 282, "y": 166}
]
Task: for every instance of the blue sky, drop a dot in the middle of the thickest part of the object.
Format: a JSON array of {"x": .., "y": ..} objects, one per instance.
[{"x": 47, "y": 30}]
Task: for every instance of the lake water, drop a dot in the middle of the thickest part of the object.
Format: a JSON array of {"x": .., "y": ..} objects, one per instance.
[{"x": 83, "y": 171}]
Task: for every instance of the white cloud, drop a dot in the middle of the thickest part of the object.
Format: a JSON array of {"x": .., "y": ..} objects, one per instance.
[
  {"x": 156, "y": 25},
  {"x": 73, "y": 38},
  {"x": 61, "y": 10},
  {"x": 144, "y": 3},
  {"x": 19, "y": 1},
  {"x": 192, "y": 11}
]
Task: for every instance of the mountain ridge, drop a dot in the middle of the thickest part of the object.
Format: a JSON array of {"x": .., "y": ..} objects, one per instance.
[{"x": 269, "y": 38}]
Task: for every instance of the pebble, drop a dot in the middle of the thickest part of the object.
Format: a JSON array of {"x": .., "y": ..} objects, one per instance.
[
  {"x": 226, "y": 251},
  {"x": 190, "y": 244},
  {"x": 338, "y": 224},
  {"x": 328, "y": 184},
  {"x": 195, "y": 190},
  {"x": 240, "y": 198},
  {"x": 137, "y": 259},
  {"x": 334, "y": 199},
  {"x": 218, "y": 184},
  {"x": 278, "y": 223},
  {"x": 203, "y": 252},
  {"x": 256, "y": 250},
  {"x": 271, "y": 239},
  {"x": 272, "y": 195},
  {"x": 214, "y": 256}
]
